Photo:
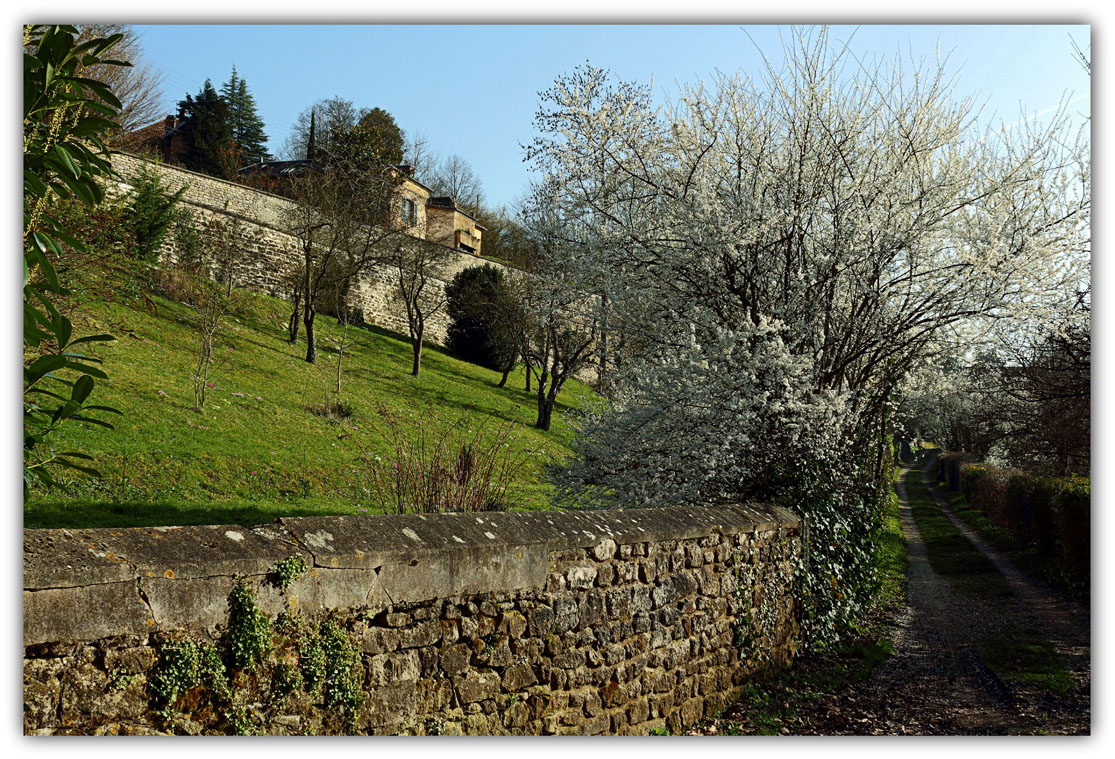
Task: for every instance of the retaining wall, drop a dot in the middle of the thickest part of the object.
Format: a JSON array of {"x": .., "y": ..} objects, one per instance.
[
  {"x": 491, "y": 623},
  {"x": 272, "y": 254}
]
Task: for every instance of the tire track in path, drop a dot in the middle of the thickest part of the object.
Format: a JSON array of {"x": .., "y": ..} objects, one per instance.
[{"x": 936, "y": 683}]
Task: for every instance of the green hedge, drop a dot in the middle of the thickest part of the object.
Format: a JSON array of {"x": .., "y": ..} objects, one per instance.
[
  {"x": 948, "y": 468},
  {"x": 1053, "y": 513}
]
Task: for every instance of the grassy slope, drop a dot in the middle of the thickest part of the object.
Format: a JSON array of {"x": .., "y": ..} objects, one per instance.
[{"x": 255, "y": 452}]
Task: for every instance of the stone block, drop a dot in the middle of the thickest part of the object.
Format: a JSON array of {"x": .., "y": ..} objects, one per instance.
[
  {"x": 518, "y": 677},
  {"x": 512, "y": 624},
  {"x": 477, "y": 686},
  {"x": 385, "y": 669},
  {"x": 377, "y": 640},
  {"x": 604, "y": 550},
  {"x": 591, "y": 609},
  {"x": 580, "y": 578},
  {"x": 424, "y": 633},
  {"x": 455, "y": 659},
  {"x": 84, "y": 613}
]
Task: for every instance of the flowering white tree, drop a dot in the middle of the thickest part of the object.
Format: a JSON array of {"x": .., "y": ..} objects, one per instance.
[{"x": 773, "y": 252}]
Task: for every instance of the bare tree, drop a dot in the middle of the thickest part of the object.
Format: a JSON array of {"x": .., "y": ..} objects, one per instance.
[
  {"x": 232, "y": 242},
  {"x": 343, "y": 219},
  {"x": 455, "y": 178},
  {"x": 419, "y": 267},
  {"x": 293, "y": 280},
  {"x": 211, "y": 305},
  {"x": 418, "y": 154},
  {"x": 139, "y": 87}
]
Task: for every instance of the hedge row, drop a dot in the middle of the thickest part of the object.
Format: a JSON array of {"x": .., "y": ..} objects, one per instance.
[{"x": 1052, "y": 513}]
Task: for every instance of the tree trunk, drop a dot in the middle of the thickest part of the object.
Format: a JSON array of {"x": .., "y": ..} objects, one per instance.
[
  {"x": 545, "y": 403},
  {"x": 292, "y": 326},
  {"x": 341, "y": 356},
  {"x": 308, "y": 320},
  {"x": 530, "y": 371},
  {"x": 416, "y": 344},
  {"x": 503, "y": 379}
]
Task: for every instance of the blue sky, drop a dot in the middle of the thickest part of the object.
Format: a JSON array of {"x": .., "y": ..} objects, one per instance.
[{"x": 473, "y": 89}]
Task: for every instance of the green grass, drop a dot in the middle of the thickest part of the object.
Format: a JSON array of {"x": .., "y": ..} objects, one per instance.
[
  {"x": 1025, "y": 657},
  {"x": 891, "y": 557},
  {"x": 255, "y": 452},
  {"x": 950, "y": 553}
]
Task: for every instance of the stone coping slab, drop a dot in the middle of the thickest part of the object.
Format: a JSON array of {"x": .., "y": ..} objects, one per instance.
[{"x": 167, "y": 578}]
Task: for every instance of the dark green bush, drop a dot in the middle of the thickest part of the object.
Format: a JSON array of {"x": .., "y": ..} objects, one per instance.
[
  {"x": 1051, "y": 513},
  {"x": 1074, "y": 527},
  {"x": 474, "y": 303},
  {"x": 151, "y": 212}
]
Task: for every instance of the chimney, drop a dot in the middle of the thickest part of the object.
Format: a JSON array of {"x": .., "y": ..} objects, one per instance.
[{"x": 170, "y": 123}]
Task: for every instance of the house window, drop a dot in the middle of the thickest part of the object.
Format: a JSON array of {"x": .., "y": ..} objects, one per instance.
[{"x": 410, "y": 212}]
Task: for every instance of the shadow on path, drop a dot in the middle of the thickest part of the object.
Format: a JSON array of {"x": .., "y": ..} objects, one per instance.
[{"x": 936, "y": 683}]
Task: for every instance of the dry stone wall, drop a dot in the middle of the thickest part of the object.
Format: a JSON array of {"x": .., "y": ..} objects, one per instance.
[
  {"x": 615, "y": 622},
  {"x": 273, "y": 254}
]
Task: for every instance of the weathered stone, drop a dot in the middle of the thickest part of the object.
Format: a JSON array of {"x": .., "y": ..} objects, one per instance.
[
  {"x": 383, "y": 704},
  {"x": 384, "y": 669},
  {"x": 377, "y": 640},
  {"x": 604, "y": 550},
  {"x": 497, "y": 654},
  {"x": 517, "y": 677},
  {"x": 605, "y": 575},
  {"x": 512, "y": 623},
  {"x": 455, "y": 659},
  {"x": 565, "y": 614},
  {"x": 476, "y": 686},
  {"x": 516, "y": 715},
  {"x": 84, "y": 613},
  {"x": 424, "y": 633},
  {"x": 397, "y": 619},
  {"x": 591, "y": 609},
  {"x": 540, "y": 620},
  {"x": 580, "y": 577}
]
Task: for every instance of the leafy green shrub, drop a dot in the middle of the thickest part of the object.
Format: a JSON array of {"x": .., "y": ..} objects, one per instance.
[
  {"x": 1052, "y": 513},
  {"x": 1043, "y": 521},
  {"x": 1074, "y": 527},
  {"x": 249, "y": 629},
  {"x": 64, "y": 158},
  {"x": 151, "y": 212},
  {"x": 177, "y": 670},
  {"x": 473, "y": 302},
  {"x": 948, "y": 468},
  {"x": 288, "y": 570}
]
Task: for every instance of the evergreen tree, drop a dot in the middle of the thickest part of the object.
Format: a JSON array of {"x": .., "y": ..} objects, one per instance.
[
  {"x": 476, "y": 303},
  {"x": 207, "y": 135},
  {"x": 310, "y": 145},
  {"x": 381, "y": 136},
  {"x": 244, "y": 121}
]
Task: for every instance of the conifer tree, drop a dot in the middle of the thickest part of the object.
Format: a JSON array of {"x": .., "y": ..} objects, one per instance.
[
  {"x": 244, "y": 121},
  {"x": 207, "y": 135}
]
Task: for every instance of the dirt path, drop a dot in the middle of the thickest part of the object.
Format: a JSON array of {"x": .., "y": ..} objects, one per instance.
[{"x": 936, "y": 683}]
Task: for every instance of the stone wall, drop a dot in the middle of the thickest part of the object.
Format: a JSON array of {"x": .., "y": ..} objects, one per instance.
[
  {"x": 491, "y": 623},
  {"x": 274, "y": 254}
]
